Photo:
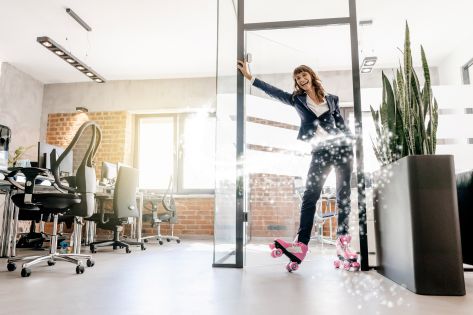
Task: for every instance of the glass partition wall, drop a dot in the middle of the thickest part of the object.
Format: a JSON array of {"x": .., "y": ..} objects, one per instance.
[
  {"x": 226, "y": 220},
  {"x": 259, "y": 162}
]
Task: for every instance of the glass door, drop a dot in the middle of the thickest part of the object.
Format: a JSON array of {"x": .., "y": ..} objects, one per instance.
[
  {"x": 225, "y": 218},
  {"x": 276, "y": 162},
  {"x": 259, "y": 162}
]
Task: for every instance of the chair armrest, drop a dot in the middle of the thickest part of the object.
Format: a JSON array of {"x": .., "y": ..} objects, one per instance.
[
  {"x": 31, "y": 174},
  {"x": 169, "y": 207}
]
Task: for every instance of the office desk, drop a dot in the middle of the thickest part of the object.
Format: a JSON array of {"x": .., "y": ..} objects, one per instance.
[{"x": 136, "y": 227}]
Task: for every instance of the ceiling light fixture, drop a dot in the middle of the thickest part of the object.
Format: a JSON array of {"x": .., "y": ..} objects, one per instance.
[
  {"x": 82, "y": 109},
  {"x": 78, "y": 19},
  {"x": 69, "y": 58},
  {"x": 369, "y": 61},
  {"x": 367, "y": 64}
]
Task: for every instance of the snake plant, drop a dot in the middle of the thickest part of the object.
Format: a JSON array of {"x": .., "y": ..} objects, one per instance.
[{"x": 406, "y": 123}]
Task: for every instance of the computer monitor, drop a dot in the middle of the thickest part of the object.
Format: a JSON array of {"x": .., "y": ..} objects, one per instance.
[
  {"x": 109, "y": 172},
  {"x": 45, "y": 151},
  {"x": 5, "y": 137}
]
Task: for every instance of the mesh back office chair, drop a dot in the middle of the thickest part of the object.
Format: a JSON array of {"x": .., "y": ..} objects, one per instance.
[
  {"x": 124, "y": 207},
  {"x": 75, "y": 200},
  {"x": 465, "y": 213},
  {"x": 327, "y": 199},
  {"x": 169, "y": 215}
]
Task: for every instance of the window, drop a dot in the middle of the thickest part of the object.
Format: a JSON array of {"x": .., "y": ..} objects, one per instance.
[{"x": 181, "y": 146}]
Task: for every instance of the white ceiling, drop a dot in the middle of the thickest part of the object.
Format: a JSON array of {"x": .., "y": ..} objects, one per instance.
[
  {"x": 130, "y": 39},
  {"x": 150, "y": 39}
]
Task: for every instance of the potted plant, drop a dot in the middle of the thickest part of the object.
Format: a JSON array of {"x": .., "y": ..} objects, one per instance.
[
  {"x": 415, "y": 203},
  {"x": 18, "y": 154}
]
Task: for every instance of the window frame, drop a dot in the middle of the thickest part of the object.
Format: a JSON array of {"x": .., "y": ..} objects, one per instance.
[
  {"x": 466, "y": 72},
  {"x": 178, "y": 154}
]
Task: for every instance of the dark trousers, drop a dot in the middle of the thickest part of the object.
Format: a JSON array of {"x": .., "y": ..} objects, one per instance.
[{"x": 338, "y": 155}]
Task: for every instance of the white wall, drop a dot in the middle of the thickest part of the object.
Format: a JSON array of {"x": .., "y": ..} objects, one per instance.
[
  {"x": 140, "y": 96},
  {"x": 340, "y": 82},
  {"x": 450, "y": 68},
  {"x": 20, "y": 107}
]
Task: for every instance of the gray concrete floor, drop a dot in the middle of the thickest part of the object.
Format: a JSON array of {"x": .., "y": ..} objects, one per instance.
[{"x": 179, "y": 279}]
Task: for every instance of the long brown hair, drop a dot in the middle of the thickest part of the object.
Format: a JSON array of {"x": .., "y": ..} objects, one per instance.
[{"x": 316, "y": 82}]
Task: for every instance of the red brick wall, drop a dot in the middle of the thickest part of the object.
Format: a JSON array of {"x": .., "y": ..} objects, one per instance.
[
  {"x": 274, "y": 207},
  {"x": 116, "y": 132},
  {"x": 195, "y": 217},
  {"x": 195, "y": 214}
]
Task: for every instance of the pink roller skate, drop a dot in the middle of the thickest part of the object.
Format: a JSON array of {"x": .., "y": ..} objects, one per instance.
[
  {"x": 294, "y": 251},
  {"x": 347, "y": 258}
]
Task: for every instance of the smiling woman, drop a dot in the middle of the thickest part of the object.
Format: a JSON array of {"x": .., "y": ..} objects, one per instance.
[{"x": 323, "y": 126}]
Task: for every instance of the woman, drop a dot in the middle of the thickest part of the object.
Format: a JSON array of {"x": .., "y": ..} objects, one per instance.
[{"x": 323, "y": 126}]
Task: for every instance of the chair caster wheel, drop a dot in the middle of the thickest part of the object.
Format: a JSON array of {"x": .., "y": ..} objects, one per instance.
[
  {"x": 92, "y": 249},
  {"x": 51, "y": 262},
  {"x": 80, "y": 269},
  {"x": 128, "y": 250},
  {"x": 25, "y": 272},
  {"x": 178, "y": 241},
  {"x": 143, "y": 247},
  {"x": 90, "y": 263},
  {"x": 114, "y": 247},
  {"x": 145, "y": 240},
  {"x": 168, "y": 239},
  {"x": 11, "y": 267},
  {"x": 161, "y": 242}
]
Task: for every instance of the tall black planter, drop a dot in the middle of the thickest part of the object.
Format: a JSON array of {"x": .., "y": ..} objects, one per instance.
[{"x": 417, "y": 227}]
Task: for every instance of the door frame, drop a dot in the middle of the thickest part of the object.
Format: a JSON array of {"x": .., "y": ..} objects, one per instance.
[{"x": 241, "y": 215}]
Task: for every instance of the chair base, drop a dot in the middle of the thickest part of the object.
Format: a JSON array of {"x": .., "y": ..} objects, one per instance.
[
  {"x": 115, "y": 244},
  {"x": 51, "y": 259},
  {"x": 159, "y": 237}
]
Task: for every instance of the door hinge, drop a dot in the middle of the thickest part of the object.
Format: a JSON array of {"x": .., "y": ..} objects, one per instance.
[{"x": 245, "y": 216}]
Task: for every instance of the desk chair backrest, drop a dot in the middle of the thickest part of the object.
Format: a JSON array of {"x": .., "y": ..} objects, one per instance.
[
  {"x": 85, "y": 179},
  {"x": 124, "y": 197},
  {"x": 465, "y": 213}
]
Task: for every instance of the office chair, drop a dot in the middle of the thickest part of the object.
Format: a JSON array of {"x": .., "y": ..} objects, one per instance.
[
  {"x": 327, "y": 198},
  {"x": 124, "y": 208},
  {"x": 169, "y": 215},
  {"x": 76, "y": 201},
  {"x": 464, "y": 183}
]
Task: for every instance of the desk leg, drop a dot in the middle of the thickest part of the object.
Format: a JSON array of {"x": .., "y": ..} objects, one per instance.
[
  {"x": 140, "y": 217},
  {"x": 16, "y": 212},
  {"x": 87, "y": 228},
  {"x": 5, "y": 233},
  {"x": 89, "y": 232},
  {"x": 10, "y": 225},
  {"x": 92, "y": 229}
]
